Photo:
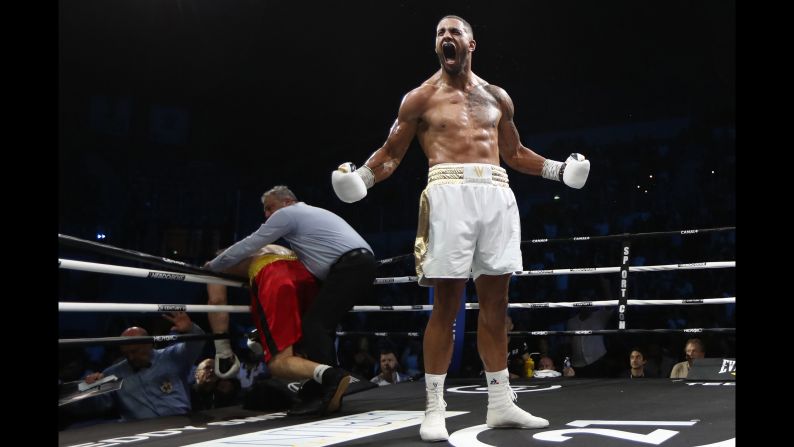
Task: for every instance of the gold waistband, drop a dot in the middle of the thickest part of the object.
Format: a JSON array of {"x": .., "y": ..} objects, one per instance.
[{"x": 448, "y": 173}]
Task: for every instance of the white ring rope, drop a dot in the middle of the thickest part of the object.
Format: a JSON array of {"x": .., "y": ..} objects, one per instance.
[
  {"x": 65, "y": 306},
  {"x": 591, "y": 270},
  {"x": 577, "y": 332},
  {"x": 632, "y": 268},
  {"x": 603, "y": 303},
  {"x": 189, "y": 277},
  {"x": 206, "y": 279},
  {"x": 143, "y": 273}
]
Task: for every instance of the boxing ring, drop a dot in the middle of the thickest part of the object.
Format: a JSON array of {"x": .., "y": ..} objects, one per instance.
[
  {"x": 588, "y": 412},
  {"x": 592, "y": 412}
]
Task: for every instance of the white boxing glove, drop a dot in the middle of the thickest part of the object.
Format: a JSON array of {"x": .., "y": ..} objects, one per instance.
[
  {"x": 351, "y": 184},
  {"x": 573, "y": 172},
  {"x": 226, "y": 363}
]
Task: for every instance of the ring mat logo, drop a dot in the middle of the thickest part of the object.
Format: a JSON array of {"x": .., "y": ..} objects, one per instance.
[
  {"x": 467, "y": 437},
  {"x": 479, "y": 389}
]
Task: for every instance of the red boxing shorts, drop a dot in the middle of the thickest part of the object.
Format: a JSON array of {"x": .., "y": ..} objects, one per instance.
[{"x": 281, "y": 292}]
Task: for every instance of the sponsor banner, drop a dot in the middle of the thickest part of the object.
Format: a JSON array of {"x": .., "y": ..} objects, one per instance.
[
  {"x": 171, "y": 308},
  {"x": 161, "y": 275}
]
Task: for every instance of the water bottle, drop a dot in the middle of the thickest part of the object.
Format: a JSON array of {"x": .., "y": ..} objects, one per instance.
[{"x": 529, "y": 367}]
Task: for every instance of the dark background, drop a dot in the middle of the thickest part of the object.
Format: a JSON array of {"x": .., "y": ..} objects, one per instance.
[{"x": 175, "y": 116}]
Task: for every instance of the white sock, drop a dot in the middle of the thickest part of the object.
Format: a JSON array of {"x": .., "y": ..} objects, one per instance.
[
  {"x": 498, "y": 384},
  {"x": 434, "y": 387},
  {"x": 318, "y": 373},
  {"x": 435, "y": 382},
  {"x": 223, "y": 348}
]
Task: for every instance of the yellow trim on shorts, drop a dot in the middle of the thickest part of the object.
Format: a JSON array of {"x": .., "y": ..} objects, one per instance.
[{"x": 260, "y": 262}]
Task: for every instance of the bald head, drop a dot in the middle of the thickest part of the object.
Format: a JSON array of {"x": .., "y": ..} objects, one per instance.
[
  {"x": 139, "y": 354},
  {"x": 134, "y": 331},
  {"x": 205, "y": 372}
]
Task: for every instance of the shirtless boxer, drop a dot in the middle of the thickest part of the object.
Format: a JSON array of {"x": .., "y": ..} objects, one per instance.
[{"x": 468, "y": 216}]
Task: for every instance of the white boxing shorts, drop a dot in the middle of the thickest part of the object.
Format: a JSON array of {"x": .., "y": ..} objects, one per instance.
[{"x": 468, "y": 224}]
